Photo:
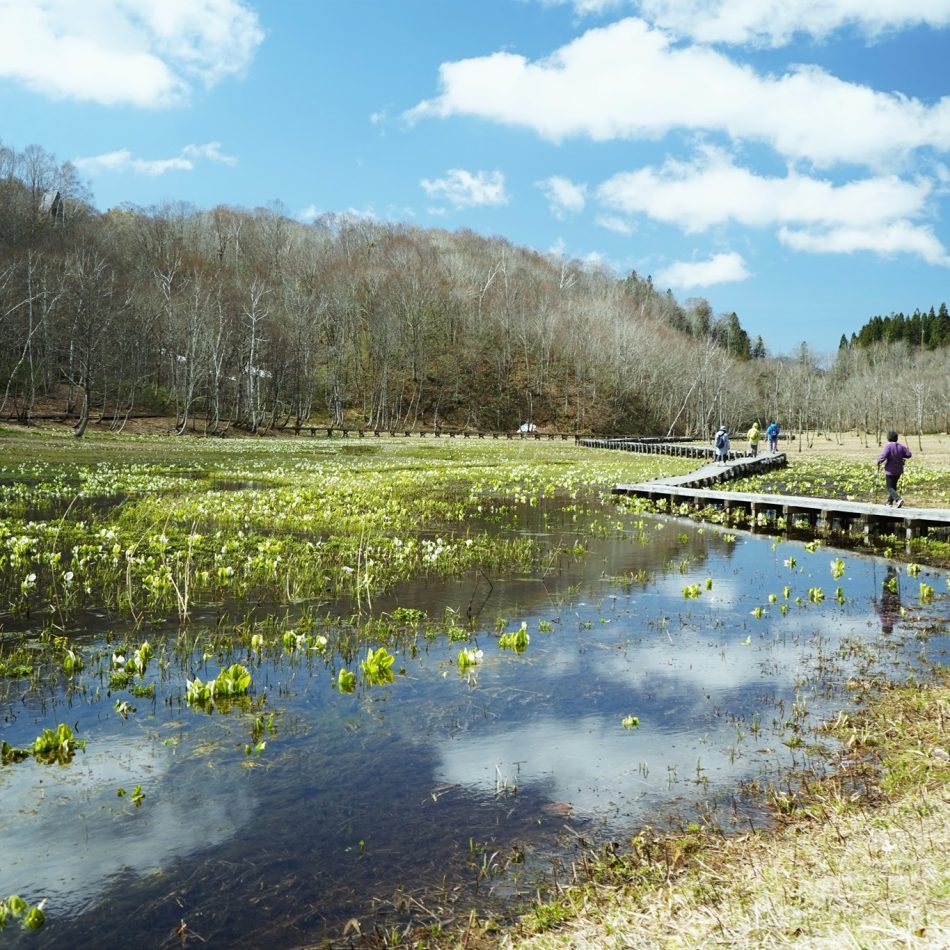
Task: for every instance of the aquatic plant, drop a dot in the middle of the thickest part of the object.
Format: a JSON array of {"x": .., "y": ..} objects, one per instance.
[
  {"x": 377, "y": 667},
  {"x": 926, "y": 593},
  {"x": 72, "y": 662},
  {"x": 15, "y": 907},
  {"x": 9, "y": 753},
  {"x": 467, "y": 659},
  {"x": 630, "y": 722},
  {"x": 16, "y": 666},
  {"x": 408, "y": 615},
  {"x": 137, "y": 796},
  {"x": 57, "y": 745},
  {"x": 837, "y": 568},
  {"x": 231, "y": 681},
  {"x": 346, "y": 681},
  {"x": 517, "y": 640}
]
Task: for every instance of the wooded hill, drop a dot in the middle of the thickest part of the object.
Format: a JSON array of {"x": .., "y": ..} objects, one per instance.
[{"x": 250, "y": 319}]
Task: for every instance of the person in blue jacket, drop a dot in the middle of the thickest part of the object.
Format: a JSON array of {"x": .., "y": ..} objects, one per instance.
[
  {"x": 721, "y": 445},
  {"x": 772, "y": 434},
  {"x": 892, "y": 458}
]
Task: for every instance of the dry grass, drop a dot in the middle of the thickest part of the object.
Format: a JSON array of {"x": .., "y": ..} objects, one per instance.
[
  {"x": 931, "y": 450},
  {"x": 861, "y": 875}
]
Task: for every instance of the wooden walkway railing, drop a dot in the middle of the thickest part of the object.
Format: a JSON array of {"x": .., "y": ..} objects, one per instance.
[
  {"x": 691, "y": 492},
  {"x": 363, "y": 432},
  {"x": 685, "y": 447}
]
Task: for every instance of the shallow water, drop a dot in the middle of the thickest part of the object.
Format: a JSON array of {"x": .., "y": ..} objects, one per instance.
[{"x": 443, "y": 789}]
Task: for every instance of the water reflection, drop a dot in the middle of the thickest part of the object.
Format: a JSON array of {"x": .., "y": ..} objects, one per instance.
[{"x": 420, "y": 783}]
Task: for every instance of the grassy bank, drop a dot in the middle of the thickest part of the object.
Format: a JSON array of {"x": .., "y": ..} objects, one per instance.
[{"x": 847, "y": 868}]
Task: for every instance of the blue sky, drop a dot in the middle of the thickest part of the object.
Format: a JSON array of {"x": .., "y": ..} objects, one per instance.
[{"x": 785, "y": 159}]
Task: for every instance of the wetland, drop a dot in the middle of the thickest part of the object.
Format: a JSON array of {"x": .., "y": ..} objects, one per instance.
[{"x": 291, "y": 693}]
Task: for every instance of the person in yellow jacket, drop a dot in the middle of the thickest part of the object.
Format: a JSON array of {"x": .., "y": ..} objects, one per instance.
[{"x": 754, "y": 435}]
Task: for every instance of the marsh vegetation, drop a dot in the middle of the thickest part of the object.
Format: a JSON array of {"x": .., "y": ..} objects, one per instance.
[{"x": 293, "y": 691}]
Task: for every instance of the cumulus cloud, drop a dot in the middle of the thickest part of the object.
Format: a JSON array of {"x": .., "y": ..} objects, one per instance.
[
  {"x": 718, "y": 269},
  {"x": 656, "y": 87},
  {"x": 777, "y": 22},
  {"x": 898, "y": 237},
  {"x": 122, "y": 160},
  {"x": 564, "y": 196},
  {"x": 712, "y": 190},
  {"x": 875, "y": 214},
  {"x": 464, "y": 189},
  {"x": 145, "y": 53}
]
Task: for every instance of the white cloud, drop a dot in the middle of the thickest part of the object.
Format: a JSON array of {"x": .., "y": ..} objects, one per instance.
[
  {"x": 656, "y": 87},
  {"x": 613, "y": 222},
  {"x": 712, "y": 190},
  {"x": 898, "y": 237},
  {"x": 564, "y": 197},
  {"x": 588, "y": 7},
  {"x": 122, "y": 160},
  {"x": 718, "y": 269},
  {"x": 771, "y": 22},
  {"x": 464, "y": 189},
  {"x": 143, "y": 53},
  {"x": 211, "y": 151},
  {"x": 810, "y": 214},
  {"x": 776, "y": 22}
]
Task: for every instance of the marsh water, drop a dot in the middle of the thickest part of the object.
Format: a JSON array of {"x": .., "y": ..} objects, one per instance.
[{"x": 446, "y": 790}]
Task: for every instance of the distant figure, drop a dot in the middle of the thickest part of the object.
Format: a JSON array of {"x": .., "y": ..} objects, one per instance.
[
  {"x": 721, "y": 444},
  {"x": 892, "y": 458},
  {"x": 754, "y": 435},
  {"x": 772, "y": 433},
  {"x": 527, "y": 427},
  {"x": 889, "y": 606}
]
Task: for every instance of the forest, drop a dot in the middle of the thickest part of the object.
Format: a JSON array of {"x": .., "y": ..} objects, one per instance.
[
  {"x": 928, "y": 331},
  {"x": 237, "y": 319}
]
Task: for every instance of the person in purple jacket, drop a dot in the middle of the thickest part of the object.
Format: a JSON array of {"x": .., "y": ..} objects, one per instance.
[{"x": 892, "y": 458}]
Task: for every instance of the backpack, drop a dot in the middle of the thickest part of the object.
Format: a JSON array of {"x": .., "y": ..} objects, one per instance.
[{"x": 720, "y": 440}]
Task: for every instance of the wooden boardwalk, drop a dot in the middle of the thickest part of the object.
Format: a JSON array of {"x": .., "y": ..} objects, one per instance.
[
  {"x": 820, "y": 514},
  {"x": 362, "y": 432},
  {"x": 685, "y": 447}
]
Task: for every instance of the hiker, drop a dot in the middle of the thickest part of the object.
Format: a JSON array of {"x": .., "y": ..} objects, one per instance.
[
  {"x": 754, "y": 435},
  {"x": 892, "y": 458},
  {"x": 772, "y": 433},
  {"x": 721, "y": 444}
]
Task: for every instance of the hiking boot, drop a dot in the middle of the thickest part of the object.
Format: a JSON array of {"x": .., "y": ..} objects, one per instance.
[{"x": 899, "y": 503}]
